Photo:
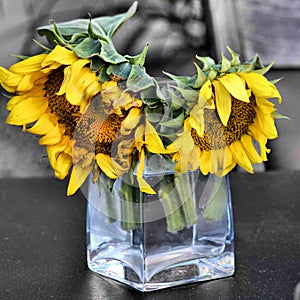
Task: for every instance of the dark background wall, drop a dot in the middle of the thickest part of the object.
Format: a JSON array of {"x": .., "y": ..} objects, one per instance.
[{"x": 176, "y": 31}]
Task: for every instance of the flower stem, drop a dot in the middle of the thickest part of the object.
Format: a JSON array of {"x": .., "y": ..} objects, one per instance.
[
  {"x": 109, "y": 199},
  {"x": 185, "y": 192},
  {"x": 130, "y": 205},
  {"x": 172, "y": 208}
]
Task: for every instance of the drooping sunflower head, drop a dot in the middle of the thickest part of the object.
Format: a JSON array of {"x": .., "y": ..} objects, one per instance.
[
  {"x": 47, "y": 102},
  {"x": 234, "y": 111}
]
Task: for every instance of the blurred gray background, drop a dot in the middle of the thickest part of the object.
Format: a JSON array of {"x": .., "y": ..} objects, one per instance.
[{"x": 176, "y": 31}]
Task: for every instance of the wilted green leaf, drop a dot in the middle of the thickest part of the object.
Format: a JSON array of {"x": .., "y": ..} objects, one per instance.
[
  {"x": 277, "y": 115},
  {"x": 235, "y": 60},
  {"x": 96, "y": 63},
  {"x": 102, "y": 77},
  {"x": 138, "y": 59},
  {"x": 87, "y": 48},
  {"x": 121, "y": 70},
  {"x": 109, "y": 54},
  {"x": 110, "y": 24},
  {"x": 207, "y": 62},
  {"x": 201, "y": 77},
  {"x": 225, "y": 64},
  {"x": 138, "y": 79},
  {"x": 154, "y": 115},
  {"x": 174, "y": 123},
  {"x": 176, "y": 101}
]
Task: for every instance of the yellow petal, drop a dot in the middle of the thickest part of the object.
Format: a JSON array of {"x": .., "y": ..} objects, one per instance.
[
  {"x": 59, "y": 55},
  {"x": 267, "y": 124},
  {"x": 29, "y": 65},
  {"x": 260, "y": 86},
  {"x": 264, "y": 105},
  {"x": 12, "y": 82},
  {"x": 71, "y": 76},
  {"x": 131, "y": 121},
  {"x": 52, "y": 137},
  {"x": 235, "y": 86},
  {"x": 240, "y": 156},
  {"x": 205, "y": 162},
  {"x": 77, "y": 92},
  {"x": 27, "y": 111},
  {"x": 143, "y": 185},
  {"x": 230, "y": 162},
  {"x": 223, "y": 102},
  {"x": 153, "y": 141},
  {"x": 54, "y": 151},
  {"x": 4, "y": 76},
  {"x": 185, "y": 149},
  {"x": 77, "y": 178},
  {"x": 63, "y": 165},
  {"x": 250, "y": 150},
  {"x": 206, "y": 91},
  {"x": 15, "y": 101},
  {"x": 257, "y": 133},
  {"x": 110, "y": 167},
  {"x": 43, "y": 125}
]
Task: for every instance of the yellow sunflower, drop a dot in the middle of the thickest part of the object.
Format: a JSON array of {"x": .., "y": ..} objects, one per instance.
[
  {"x": 233, "y": 110},
  {"x": 51, "y": 92},
  {"x": 110, "y": 131}
]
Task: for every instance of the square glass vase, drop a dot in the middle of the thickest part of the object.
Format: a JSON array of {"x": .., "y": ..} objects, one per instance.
[{"x": 182, "y": 234}]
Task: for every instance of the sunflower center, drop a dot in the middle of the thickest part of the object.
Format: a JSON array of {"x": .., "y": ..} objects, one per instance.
[
  {"x": 216, "y": 135},
  {"x": 67, "y": 114},
  {"x": 107, "y": 134}
]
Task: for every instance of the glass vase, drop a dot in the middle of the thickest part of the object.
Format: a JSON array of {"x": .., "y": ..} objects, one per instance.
[{"x": 182, "y": 234}]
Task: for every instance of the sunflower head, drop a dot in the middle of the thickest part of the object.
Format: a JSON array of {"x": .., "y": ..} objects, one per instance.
[{"x": 230, "y": 114}]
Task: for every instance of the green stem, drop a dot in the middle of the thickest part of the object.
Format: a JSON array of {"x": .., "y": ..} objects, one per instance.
[
  {"x": 110, "y": 203},
  {"x": 127, "y": 211},
  {"x": 171, "y": 206},
  {"x": 185, "y": 195}
]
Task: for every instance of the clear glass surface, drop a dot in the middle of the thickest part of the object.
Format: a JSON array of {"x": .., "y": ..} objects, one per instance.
[{"x": 146, "y": 254}]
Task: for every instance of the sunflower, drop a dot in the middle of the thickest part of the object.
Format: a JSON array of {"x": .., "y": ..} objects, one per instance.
[
  {"x": 232, "y": 113},
  {"x": 108, "y": 135},
  {"x": 50, "y": 93}
]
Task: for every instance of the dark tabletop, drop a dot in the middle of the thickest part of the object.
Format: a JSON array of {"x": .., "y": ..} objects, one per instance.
[{"x": 43, "y": 251}]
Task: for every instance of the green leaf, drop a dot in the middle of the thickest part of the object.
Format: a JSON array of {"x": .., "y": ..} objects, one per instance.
[
  {"x": 235, "y": 58},
  {"x": 67, "y": 29},
  {"x": 176, "y": 101},
  {"x": 277, "y": 115},
  {"x": 174, "y": 123},
  {"x": 121, "y": 70},
  {"x": 95, "y": 31},
  {"x": 207, "y": 62},
  {"x": 96, "y": 63},
  {"x": 212, "y": 75},
  {"x": 181, "y": 81},
  {"x": 264, "y": 70},
  {"x": 138, "y": 79},
  {"x": 138, "y": 59},
  {"x": 155, "y": 114},
  {"x": 103, "y": 27},
  {"x": 109, "y": 54},
  {"x": 190, "y": 95},
  {"x": 102, "y": 77},
  {"x": 77, "y": 38},
  {"x": 87, "y": 48},
  {"x": 275, "y": 81},
  {"x": 110, "y": 24},
  {"x": 152, "y": 95},
  {"x": 225, "y": 64},
  {"x": 245, "y": 67},
  {"x": 201, "y": 77}
]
